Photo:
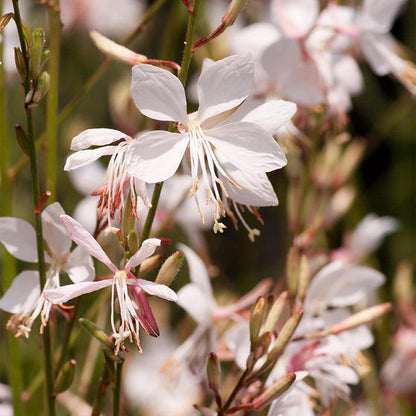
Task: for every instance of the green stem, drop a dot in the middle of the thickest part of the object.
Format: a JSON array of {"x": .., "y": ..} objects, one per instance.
[
  {"x": 102, "y": 388},
  {"x": 91, "y": 82},
  {"x": 52, "y": 102},
  {"x": 117, "y": 389},
  {"x": 236, "y": 389},
  {"x": 50, "y": 397},
  {"x": 151, "y": 214}
]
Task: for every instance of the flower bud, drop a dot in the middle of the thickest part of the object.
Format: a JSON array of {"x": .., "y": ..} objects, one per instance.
[
  {"x": 20, "y": 64},
  {"x": 304, "y": 277},
  {"x": 65, "y": 377},
  {"x": 263, "y": 345},
  {"x": 36, "y": 50},
  {"x": 275, "y": 313},
  {"x": 5, "y": 20},
  {"x": 213, "y": 372},
  {"x": 95, "y": 332},
  {"x": 39, "y": 91},
  {"x": 116, "y": 51},
  {"x": 348, "y": 162},
  {"x": 22, "y": 139},
  {"x": 111, "y": 357},
  {"x": 285, "y": 335},
  {"x": 149, "y": 264},
  {"x": 256, "y": 320},
  {"x": 273, "y": 392},
  {"x": 132, "y": 242},
  {"x": 170, "y": 268},
  {"x": 292, "y": 271},
  {"x": 363, "y": 317}
]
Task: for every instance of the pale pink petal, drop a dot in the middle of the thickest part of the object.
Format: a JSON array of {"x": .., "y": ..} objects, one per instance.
[
  {"x": 197, "y": 271},
  {"x": 247, "y": 146},
  {"x": 144, "y": 313},
  {"x": 19, "y": 238},
  {"x": 85, "y": 157},
  {"x": 194, "y": 300},
  {"x": 85, "y": 240},
  {"x": 79, "y": 266},
  {"x": 158, "y": 94},
  {"x": 88, "y": 178},
  {"x": 295, "y": 18},
  {"x": 156, "y": 289},
  {"x": 146, "y": 250},
  {"x": 378, "y": 15},
  {"x": 156, "y": 155},
  {"x": 65, "y": 293},
  {"x": 23, "y": 294},
  {"x": 97, "y": 137},
  {"x": 53, "y": 231},
  {"x": 224, "y": 85}
]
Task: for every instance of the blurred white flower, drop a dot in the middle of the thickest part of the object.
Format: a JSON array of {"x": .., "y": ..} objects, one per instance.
[{"x": 24, "y": 298}]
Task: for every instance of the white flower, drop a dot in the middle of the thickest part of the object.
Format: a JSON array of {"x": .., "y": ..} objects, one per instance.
[
  {"x": 223, "y": 153},
  {"x": 118, "y": 184},
  {"x": 134, "y": 307},
  {"x": 23, "y": 298}
]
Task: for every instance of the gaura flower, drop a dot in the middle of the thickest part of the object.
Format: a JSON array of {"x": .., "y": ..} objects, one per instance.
[
  {"x": 134, "y": 308},
  {"x": 23, "y": 298},
  {"x": 220, "y": 149},
  {"x": 118, "y": 184}
]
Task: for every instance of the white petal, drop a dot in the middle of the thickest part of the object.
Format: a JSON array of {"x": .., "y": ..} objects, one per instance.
[
  {"x": 146, "y": 250},
  {"x": 97, "y": 137},
  {"x": 85, "y": 240},
  {"x": 224, "y": 85},
  {"x": 19, "y": 238},
  {"x": 156, "y": 155},
  {"x": 80, "y": 266},
  {"x": 85, "y": 157},
  {"x": 88, "y": 178},
  {"x": 270, "y": 115},
  {"x": 23, "y": 293},
  {"x": 53, "y": 230},
  {"x": 256, "y": 189},
  {"x": 378, "y": 15},
  {"x": 197, "y": 271},
  {"x": 194, "y": 300},
  {"x": 156, "y": 289},
  {"x": 65, "y": 293},
  {"x": 158, "y": 94},
  {"x": 247, "y": 146}
]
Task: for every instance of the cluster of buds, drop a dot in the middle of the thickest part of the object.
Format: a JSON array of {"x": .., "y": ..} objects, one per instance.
[{"x": 30, "y": 63}]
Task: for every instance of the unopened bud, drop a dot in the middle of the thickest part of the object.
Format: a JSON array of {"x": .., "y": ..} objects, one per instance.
[
  {"x": 65, "y": 376},
  {"x": 39, "y": 91},
  {"x": 149, "y": 264},
  {"x": 5, "y": 20},
  {"x": 132, "y": 242},
  {"x": 261, "y": 349},
  {"x": 20, "y": 64},
  {"x": 116, "y": 51},
  {"x": 36, "y": 50},
  {"x": 111, "y": 357},
  {"x": 273, "y": 392},
  {"x": 95, "y": 332},
  {"x": 304, "y": 277},
  {"x": 275, "y": 313},
  {"x": 22, "y": 139},
  {"x": 339, "y": 204},
  {"x": 285, "y": 335},
  {"x": 292, "y": 271},
  {"x": 234, "y": 9},
  {"x": 170, "y": 268},
  {"x": 348, "y": 162},
  {"x": 363, "y": 317},
  {"x": 213, "y": 372},
  {"x": 256, "y": 320}
]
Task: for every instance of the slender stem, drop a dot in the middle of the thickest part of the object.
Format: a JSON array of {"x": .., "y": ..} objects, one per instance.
[
  {"x": 102, "y": 388},
  {"x": 52, "y": 103},
  {"x": 117, "y": 389},
  {"x": 91, "y": 82},
  {"x": 50, "y": 397},
  {"x": 151, "y": 214},
  {"x": 237, "y": 388}
]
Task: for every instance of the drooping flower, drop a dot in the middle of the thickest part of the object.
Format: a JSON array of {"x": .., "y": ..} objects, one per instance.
[
  {"x": 212, "y": 145},
  {"x": 118, "y": 184},
  {"x": 134, "y": 308},
  {"x": 24, "y": 298}
]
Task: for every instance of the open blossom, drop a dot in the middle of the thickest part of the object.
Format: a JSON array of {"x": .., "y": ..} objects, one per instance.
[
  {"x": 24, "y": 298},
  {"x": 220, "y": 151},
  {"x": 118, "y": 184},
  {"x": 134, "y": 308}
]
